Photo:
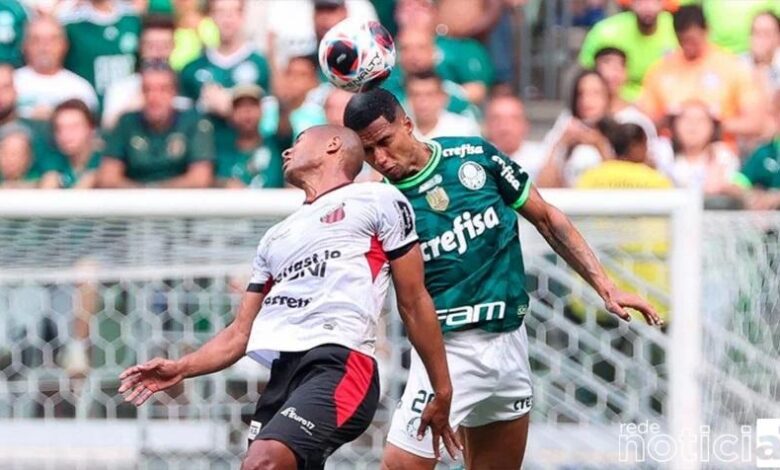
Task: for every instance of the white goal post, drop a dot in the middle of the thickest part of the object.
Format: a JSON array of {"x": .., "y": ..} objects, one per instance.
[{"x": 132, "y": 238}]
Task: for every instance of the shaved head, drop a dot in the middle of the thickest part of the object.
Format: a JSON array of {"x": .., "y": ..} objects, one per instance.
[{"x": 320, "y": 151}]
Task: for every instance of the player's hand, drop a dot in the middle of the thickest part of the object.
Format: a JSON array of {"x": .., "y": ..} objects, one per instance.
[
  {"x": 142, "y": 381},
  {"x": 436, "y": 415},
  {"x": 618, "y": 301}
]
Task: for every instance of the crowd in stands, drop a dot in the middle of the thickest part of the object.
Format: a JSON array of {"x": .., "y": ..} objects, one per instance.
[{"x": 195, "y": 94}]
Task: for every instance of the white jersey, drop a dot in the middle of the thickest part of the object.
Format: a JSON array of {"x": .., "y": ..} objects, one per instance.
[{"x": 325, "y": 270}]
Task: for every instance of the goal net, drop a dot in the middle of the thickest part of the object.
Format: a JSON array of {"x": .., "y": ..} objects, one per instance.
[{"x": 92, "y": 282}]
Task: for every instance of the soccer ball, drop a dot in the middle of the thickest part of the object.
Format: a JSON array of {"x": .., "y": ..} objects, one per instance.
[{"x": 357, "y": 55}]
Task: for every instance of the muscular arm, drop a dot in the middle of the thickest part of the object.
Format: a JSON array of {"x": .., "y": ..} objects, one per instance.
[
  {"x": 228, "y": 346},
  {"x": 419, "y": 316},
  {"x": 565, "y": 240}
]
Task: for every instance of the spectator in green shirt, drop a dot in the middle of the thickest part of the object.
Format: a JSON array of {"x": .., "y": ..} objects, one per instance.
[
  {"x": 13, "y": 19},
  {"x": 729, "y": 21},
  {"x": 79, "y": 155},
  {"x": 244, "y": 157},
  {"x": 16, "y": 158},
  {"x": 760, "y": 175},
  {"x": 208, "y": 79},
  {"x": 159, "y": 146},
  {"x": 645, "y": 33}
]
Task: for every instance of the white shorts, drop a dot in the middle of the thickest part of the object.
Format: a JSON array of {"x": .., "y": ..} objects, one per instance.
[{"x": 491, "y": 381}]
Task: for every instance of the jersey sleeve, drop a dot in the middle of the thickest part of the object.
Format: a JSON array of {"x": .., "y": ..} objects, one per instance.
[
  {"x": 513, "y": 182},
  {"x": 202, "y": 141},
  {"x": 261, "y": 280},
  {"x": 395, "y": 222}
]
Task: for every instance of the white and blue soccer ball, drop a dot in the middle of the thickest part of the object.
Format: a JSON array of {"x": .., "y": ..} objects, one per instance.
[{"x": 357, "y": 55}]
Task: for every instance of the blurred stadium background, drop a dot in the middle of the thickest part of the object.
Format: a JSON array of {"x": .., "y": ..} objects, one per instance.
[{"x": 92, "y": 281}]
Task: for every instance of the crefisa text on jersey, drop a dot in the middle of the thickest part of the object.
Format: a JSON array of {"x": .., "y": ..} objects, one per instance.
[
  {"x": 455, "y": 239},
  {"x": 463, "y": 150}
]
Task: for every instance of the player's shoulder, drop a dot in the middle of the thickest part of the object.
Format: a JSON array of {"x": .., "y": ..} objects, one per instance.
[{"x": 374, "y": 191}]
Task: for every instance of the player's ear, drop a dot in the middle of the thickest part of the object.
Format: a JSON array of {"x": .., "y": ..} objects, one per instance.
[
  {"x": 408, "y": 125},
  {"x": 334, "y": 144}
]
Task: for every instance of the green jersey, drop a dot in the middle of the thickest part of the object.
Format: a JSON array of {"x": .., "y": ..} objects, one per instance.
[
  {"x": 150, "y": 156},
  {"x": 762, "y": 169},
  {"x": 13, "y": 18},
  {"x": 621, "y": 31},
  {"x": 465, "y": 201},
  {"x": 69, "y": 175},
  {"x": 103, "y": 46},
  {"x": 257, "y": 168},
  {"x": 244, "y": 67}
]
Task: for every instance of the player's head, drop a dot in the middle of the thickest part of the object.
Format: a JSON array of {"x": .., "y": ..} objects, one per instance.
[
  {"x": 691, "y": 29},
  {"x": 320, "y": 152},
  {"x": 385, "y": 130},
  {"x": 647, "y": 12}
]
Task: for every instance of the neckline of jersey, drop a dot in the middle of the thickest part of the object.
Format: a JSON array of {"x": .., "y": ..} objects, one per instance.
[
  {"x": 308, "y": 203},
  {"x": 427, "y": 170}
]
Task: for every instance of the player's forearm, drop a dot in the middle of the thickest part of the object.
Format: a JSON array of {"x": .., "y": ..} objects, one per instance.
[
  {"x": 424, "y": 332},
  {"x": 192, "y": 179},
  {"x": 220, "y": 352},
  {"x": 567, "y": 241}
]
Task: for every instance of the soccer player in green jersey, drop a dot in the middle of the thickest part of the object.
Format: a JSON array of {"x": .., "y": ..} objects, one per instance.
[{"x": 466, "y": 195}]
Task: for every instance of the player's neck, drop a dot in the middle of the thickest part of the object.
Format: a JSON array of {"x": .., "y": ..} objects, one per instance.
[
  {"x": 321, "y": 185},
  {"x": 421, "y": 153}
]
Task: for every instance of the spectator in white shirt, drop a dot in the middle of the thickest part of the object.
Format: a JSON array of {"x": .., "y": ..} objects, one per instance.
[
  {"x": 44, "y": 83},
  {"x": 428, "y": 102},
  {"x": 506, "y": 127}
]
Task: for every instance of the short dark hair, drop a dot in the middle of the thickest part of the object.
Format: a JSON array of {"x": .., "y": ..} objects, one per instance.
[
  {"x": 605, "y": 51},
  {"x": 75, "y": 105},
  {"x": 366, "y": 107},
  {"x": 310, "y": 58},
  {"x": 155, "y": 21},
  {"x": 687, "y": 17},
  {"x": 622, "y": 136}
]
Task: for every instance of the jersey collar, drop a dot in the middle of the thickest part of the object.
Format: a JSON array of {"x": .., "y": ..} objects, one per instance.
[{"x": 427, "y": 170}]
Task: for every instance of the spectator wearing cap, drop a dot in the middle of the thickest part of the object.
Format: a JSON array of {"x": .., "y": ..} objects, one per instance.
[
  {"x": 645, "y": 33},
  {"x": 104, "y": 35},
  {"x": 700, "y": 70},
  {"x": 208, "y": 79},
  {"x": 193, "y": 32},
  {"x": 15, "y": 18},
  {"x": 464, "y": 62},
  {"x": 760, "y": 174},
  {"x": 157, "y": 43},
  {"x": 506, "y": 126},
  {"x": 16, "y": 158},
  {"x": 159, "y": 146},
  {"x": 244, "y": 157},
  {"x": 74, "y": 134},
  {"x": 44, "y": 83},
  {"x": 427, "y": 102}
]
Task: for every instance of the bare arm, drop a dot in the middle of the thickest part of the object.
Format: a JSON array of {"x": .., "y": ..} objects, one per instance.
[
  {"x": 565, "y": 240},
  {"x": 220, "y": 352},
  {"x": 419, "y": 316},
  {"x": 198, "y": 175},
  {"x": 112, "y": 175},
  {"x": 50, "y": 180}
]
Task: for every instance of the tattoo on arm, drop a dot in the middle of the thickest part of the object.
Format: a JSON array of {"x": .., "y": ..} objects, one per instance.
[{"x": 569, "y": 244}]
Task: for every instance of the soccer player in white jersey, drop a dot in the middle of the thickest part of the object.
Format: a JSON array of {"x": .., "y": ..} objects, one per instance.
[
  {"x": 318, "y": 282},
  {"x": 467, "y": 197}
]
